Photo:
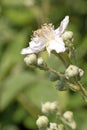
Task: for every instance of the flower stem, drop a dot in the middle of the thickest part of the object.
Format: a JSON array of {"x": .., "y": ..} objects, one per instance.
[
  {"x": 46, "y": 68},
  {"x": 77, "y": 87},
  {"x": 83, "y": 91}
]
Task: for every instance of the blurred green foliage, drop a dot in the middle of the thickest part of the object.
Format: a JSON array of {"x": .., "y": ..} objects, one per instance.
[{"x": 23, "y": 89}]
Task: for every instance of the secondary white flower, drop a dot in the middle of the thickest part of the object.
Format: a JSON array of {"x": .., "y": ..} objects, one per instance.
[{"x": 47, "y": 38}]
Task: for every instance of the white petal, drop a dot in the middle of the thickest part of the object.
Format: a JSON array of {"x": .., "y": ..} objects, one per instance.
[
  {"x": 57, "y": 45},
  {"x": 37, "y": 46},
  {"x": 33, "y": 48},
  {"x": 63, "y": 26},
  {"x": 27, "y": 50}
]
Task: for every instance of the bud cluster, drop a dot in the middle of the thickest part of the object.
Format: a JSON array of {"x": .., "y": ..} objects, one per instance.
[
  {"x": 53, "y": 108},
  {"x": 32, "y": 59}
]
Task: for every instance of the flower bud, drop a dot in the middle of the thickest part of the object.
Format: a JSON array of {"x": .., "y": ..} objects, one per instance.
[
  {"x": 49, "y": 107},
  {"x": 53, "y": 77},
  {"x": 40, "y": 61},
  {"x": 73, "y": 125},
  {"x": 72, "y": 71},
  {"x": 81, "y": 72},
  {"x": 54, "y": 106},
  {"x": 42, "y": 122},
  {"x": 68, "y": 115},
  {"x": 60, "y": 127},
  {"x": 53, "y": 126},
  {"x": 30, "y": 59},
  {"x": 61, "y": 86},
  {"x": 46, "y": 107},
  {"x": 67, "y": 35},
  {"x": 68, "y": 38}
]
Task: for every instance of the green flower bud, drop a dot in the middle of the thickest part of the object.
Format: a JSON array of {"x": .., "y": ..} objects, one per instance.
[
  {"x": 30, "y": 59},
  {"x": 42, "y": 122},
  {"x": 61, "y": 85},
  {"x": 53, "y": 77}
]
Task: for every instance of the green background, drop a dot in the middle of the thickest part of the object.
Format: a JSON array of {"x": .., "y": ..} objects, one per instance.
[{"x": 22, "y": 88}]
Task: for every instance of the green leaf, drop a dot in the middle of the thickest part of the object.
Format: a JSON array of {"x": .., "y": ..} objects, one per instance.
[{"x": 13, "y": 85}]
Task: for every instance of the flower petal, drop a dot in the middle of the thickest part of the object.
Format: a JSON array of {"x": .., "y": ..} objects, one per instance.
[
  {"x": 57, "y": 45},
  {"x": 63, "y": 26},
  {"x": 33, "y": 48},
  {"x": 27, "y": 50}
]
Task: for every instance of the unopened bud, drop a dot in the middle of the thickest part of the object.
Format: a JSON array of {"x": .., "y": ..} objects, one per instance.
[
  {"x": 49, "y": 107},
  {"x": 68, "y": 38},
  {"x": 67, "y": 35},
  {"x": 81, "y": 72},
  {"x": 73, "y": 125},
  {"x": 53, "y": 126},
  {"x": 53, "y": 77},
  {"x": 68, "y": 115},
  {"x": 30, "y": 59},
  {"x": 40, "y": 61},
  {"x": 42, "y": 122},
  {"x": 60, "y": 127},
  {"x": 72, "y": 71},
  {"x": 46, "y": 107},
  {"x": 54, "y": 106}
]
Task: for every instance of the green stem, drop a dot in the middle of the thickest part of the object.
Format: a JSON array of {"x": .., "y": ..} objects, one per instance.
[
  {"x": 74, "y": 86},
  {"x": 83, "y": 91},
  {"x": 79, "y": 88},
  {"x": 46, "y": 68}
]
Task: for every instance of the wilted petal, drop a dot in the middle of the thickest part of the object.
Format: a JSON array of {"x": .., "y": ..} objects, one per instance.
[{"x": 63, "y": 26}]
